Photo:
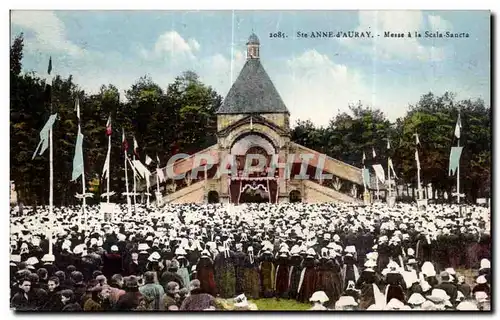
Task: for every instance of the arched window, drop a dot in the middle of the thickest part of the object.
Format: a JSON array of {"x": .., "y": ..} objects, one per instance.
[{"x": 295, "y": 196}]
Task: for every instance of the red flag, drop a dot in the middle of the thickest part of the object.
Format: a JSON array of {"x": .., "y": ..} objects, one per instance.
[
  {"x": 124, "y": 141},
  {"x": 108, "y": 127}
]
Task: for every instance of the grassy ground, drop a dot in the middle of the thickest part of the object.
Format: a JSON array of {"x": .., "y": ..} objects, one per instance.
[
  {"x": 281, "y": 304},
  {"x": 285, "y": 304}
]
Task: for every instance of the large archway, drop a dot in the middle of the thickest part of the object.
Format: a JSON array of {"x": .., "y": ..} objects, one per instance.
[{"x": 213, "y": 197}]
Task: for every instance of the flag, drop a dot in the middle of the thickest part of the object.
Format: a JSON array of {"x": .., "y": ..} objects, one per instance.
[
  {"x": 78, "y": 158},
  {"x": 134, "y": 169},
  {"x": 379, "y": 172},
  {"x": 108, "y": 127},
  {"x": 157, "y": 159},
  {"x": 49, "y": 69},
  {"x": 141, "y": 169},
  {"x": 366, "y": 177},
  {"x": 77, "y": 108},
  {"x": 105, "y": 172},
  {"x": 417, "y": 159},
  {"x": 388, "y": 144},
  {"x": 391, "y": 167},
  {"x": 124, "y": 141},
  {"x": 364, "y": 157},
  {"x": 160, "y": 174},
  {"x": 417, "y": 140},
  {"x": 44, "y": 135},
  {"x": 374, "y": 154},
  {"x": 148, "y": 160},
  {"x": 458, "y": 126},
  {"x": 136, "y": 147},
  {"x": 455, "y": 154}
]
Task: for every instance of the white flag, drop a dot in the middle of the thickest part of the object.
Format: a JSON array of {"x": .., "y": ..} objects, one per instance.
[
  {"x": 417, "y": 140},
  {"x": 105, "y": 172},
  {"x": 391, "y": 167},
  {"x": 458, "y": 126},
  {"x": 374, "y": 154},
  {"x": 160, "y": 174},
  {"x": 141, "y": 169},
  {"x": 157, "y": 160},
  {"x": 77, "y": 108},
  {"x": 417, "y": 159},
  {"x": 379, "y": 172},
  {"x": 148, "y": 160},
  {"x": 364, "y": 157},
  {"x": 388, "y": 144}
]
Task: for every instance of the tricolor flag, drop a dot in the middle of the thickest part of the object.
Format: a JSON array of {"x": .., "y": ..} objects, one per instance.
[
  {"x": 78, "y": 158},
  {"x": 373, "y": 151},
  {"x": 136, "y": 148},
  {"x": 458, "y": 127},
  {"x": 148, "y": 160},
  {"x": 124, "y": 141},
  {"x": 44, "y": 136},
  {"x": 108, "y": 127}
]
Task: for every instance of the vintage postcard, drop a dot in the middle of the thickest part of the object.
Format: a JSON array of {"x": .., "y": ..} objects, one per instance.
[{"x": 250, "y": 160}]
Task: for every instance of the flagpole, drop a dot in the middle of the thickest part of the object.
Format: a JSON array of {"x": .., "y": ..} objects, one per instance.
[
  {"x": 135, "y": 200},
  {"x": 126, "y": 183},
  {"x": 389, "y": 175},
  {"x": 458, "y": 174},
  {"x": 51, "y": 171},
  {"x": 364, "y": 184},
  {"x": 109, "y": 157},
  {"x": 84, "y": 212},
  {"x": 51, "y": 192}
]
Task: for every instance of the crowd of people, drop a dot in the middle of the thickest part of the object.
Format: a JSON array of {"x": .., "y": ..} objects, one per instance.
[{"x": 197, "y": 257}]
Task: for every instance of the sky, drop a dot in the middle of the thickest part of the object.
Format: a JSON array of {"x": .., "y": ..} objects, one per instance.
[{"x": 316, "y": 78}]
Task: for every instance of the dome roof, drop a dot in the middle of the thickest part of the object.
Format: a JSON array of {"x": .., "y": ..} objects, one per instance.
[{"x": 253, "y": 39}]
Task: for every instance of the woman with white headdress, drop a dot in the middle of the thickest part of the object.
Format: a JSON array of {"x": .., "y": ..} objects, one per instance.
[
  {"x": 295, "y": 271},
  {"x": 267, "y": 271},
  {"x": 183, "y": 270},
  {"x": 282, "y": 272},
  {"x": 368, "y": 283},
  {"x": 251, "y": 276},
  {"x": 205, "y": 273},
  {"x": 396, "y": 285},
  {"x": 307, "y": 284},
  {"x": 328, "y": 278},
  {"x": 225, "y": 273}
]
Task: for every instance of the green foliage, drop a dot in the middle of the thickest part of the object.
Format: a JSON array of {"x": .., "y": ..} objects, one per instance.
[
  {"x": 433, "y": 118},
  {"x": 183, "y": 116}
]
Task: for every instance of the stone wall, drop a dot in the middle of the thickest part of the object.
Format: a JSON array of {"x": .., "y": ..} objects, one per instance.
[
  {"x": 195, "y": 193},
  {"x": 316, "y": 193}
]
